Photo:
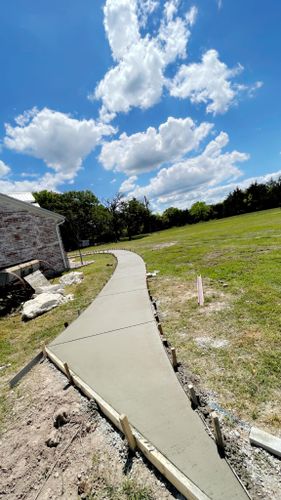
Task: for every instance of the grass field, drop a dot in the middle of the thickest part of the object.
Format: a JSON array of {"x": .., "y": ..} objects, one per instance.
[
  {"x": 233, "y": 342},
  {"x": 20, "y": 341}
]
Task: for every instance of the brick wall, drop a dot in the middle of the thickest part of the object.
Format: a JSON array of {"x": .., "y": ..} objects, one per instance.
[{"x": 25, "y": 236}]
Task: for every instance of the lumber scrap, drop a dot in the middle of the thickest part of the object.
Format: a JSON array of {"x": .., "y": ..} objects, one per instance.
[
  {"x": 34, "y": 361},
  {"x": 183, "y": 484},
  {"x": 265, "y": 440}
]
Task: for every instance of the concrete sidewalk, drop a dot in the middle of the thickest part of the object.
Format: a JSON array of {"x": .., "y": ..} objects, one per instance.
[{"x": 115, "y": 348}]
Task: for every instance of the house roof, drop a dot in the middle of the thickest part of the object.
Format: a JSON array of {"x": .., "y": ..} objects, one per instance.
[{"x": 9, "y": 201}]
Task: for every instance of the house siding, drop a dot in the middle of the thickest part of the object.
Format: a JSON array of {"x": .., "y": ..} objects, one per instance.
[{"x": 25, "y": 236}]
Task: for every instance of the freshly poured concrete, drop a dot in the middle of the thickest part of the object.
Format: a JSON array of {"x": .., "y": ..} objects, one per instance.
[{"x": 114, "y": 346}]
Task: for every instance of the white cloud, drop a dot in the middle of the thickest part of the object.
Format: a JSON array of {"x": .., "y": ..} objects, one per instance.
[
  {"x": 191, "y": 16},
  {"x": 4, "y": 169},
  {"x": 145, "y": 9},
  {"x": 128, "y": 184},
  {"x": 137, "y": 80},
  {"x": 206, "y": 82},
  {"x": 210, "y": 82},
  {"x": 145, "y": 151},
  {"x": 60, "y": 141},
  {"x": 183, "y": 180},
  {"x": 48, "y": 181}
]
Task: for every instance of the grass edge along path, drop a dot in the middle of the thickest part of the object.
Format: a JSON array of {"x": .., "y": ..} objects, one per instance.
[{"x": 20, "y": 341}]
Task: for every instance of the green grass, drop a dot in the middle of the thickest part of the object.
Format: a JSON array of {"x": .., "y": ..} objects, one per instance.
[
  {"x": 244, "y": 253},
  {"x": 20, "y": 341}
]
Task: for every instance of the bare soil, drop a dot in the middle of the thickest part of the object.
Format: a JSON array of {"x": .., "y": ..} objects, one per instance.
[{"x": 88, "y": 457}]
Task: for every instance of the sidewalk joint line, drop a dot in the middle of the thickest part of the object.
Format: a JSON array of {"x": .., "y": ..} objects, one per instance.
[{"x": 102, "y": 333}]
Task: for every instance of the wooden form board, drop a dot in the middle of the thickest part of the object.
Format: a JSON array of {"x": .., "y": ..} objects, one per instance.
[{"x": 165, "y": 467}]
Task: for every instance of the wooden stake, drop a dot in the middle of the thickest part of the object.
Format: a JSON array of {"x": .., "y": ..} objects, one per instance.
[
  {"x": 126, "y": 428},
  {"x": 165, "y": 342},
  {"x": 68, "y": 374},
  {"x": 174, "y": 358},
  {"x": 218, "y": 433},
  {"x": 193, "y": 396},
  {"x": 44, "y": 350},
  {"x": 160, "y": 329},
  {"x": 200, "y": 291}
]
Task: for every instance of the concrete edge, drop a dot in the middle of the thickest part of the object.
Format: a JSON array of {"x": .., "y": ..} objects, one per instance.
[
  {"x": 184, "y": 485},
  {"x": 266, "y": 441}
]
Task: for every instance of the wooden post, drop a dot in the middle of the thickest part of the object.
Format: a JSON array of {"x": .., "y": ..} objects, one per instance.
[
  {"x": 160, "y": 329},
  {"x": 126, "y": 428},
  {"x": 68, "y": 374},
  {"x": 193, "y": 396},
  {"x": 44, "y": 350},
  {"x": 174, "y": 358},
  {"x": 200, "y": 291},
  {"x": 218, "y": 433}
]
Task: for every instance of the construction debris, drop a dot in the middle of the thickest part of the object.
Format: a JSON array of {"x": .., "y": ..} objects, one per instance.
[
  {"x": 265, "y": 440},
  {"x": 72, "y": 278},
  {"x": 42, "y": 303}
]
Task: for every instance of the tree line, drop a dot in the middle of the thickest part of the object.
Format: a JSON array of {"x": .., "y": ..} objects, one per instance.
[{"x": 89, "y": 220}]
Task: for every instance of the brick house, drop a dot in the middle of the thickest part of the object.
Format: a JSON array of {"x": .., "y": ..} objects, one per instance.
[{"x": 29, "y": 232}]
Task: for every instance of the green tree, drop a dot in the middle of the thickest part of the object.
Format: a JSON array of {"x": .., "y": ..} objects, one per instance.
[{"x": 200, "y": 211}]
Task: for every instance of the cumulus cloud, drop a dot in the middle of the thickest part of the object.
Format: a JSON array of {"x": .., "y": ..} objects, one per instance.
[
  {"x": 61, "y": 141},
  {"x": 128, "y": 184},
  {"x": 210, "y": 82},
  {"x": 173, "y": 185},
  {"x": 145, "y": 151},
  {"x": 137, "y": 79},
  {"x": 206, "y": 82},
  {"x": 4, "y": 169}
]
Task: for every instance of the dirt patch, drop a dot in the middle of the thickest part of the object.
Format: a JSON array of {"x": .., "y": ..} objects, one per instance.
[
  {"x": 164, "y": 245},
  {"x": 206, "y": 342},
  {"x": 59, "y": 446}
]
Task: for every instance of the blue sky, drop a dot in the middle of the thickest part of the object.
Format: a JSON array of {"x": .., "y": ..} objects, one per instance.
[{"x": 173, "y": 100}]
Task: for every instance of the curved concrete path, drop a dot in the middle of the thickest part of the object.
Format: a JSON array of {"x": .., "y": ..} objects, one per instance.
[{"x": 115, "y": 348}]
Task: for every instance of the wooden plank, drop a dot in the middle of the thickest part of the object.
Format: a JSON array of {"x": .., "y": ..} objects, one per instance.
[
  {"x": 34, "y": 361},
  {"x": 265, "y": 440},
  {"x": 200, "y": 291},
  {"x": 126, "y": 428},
  {"x": 165, "y": 467}
]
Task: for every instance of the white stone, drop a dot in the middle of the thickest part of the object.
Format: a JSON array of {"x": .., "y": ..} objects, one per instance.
[
  {"x": 71, "y": 278},
  {"x": 41, "y": 304},
  {"x": 50, "y": 289}
]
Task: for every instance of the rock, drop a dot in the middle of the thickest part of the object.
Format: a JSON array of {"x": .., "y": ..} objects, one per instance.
[
  {"x": 50, "y": 289},
  {"x": 72, "y": 278},
  {"x": 61, "y": 417},
  {"x": 53, "y": 439},
  {"x": 41, "y": 304}
]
